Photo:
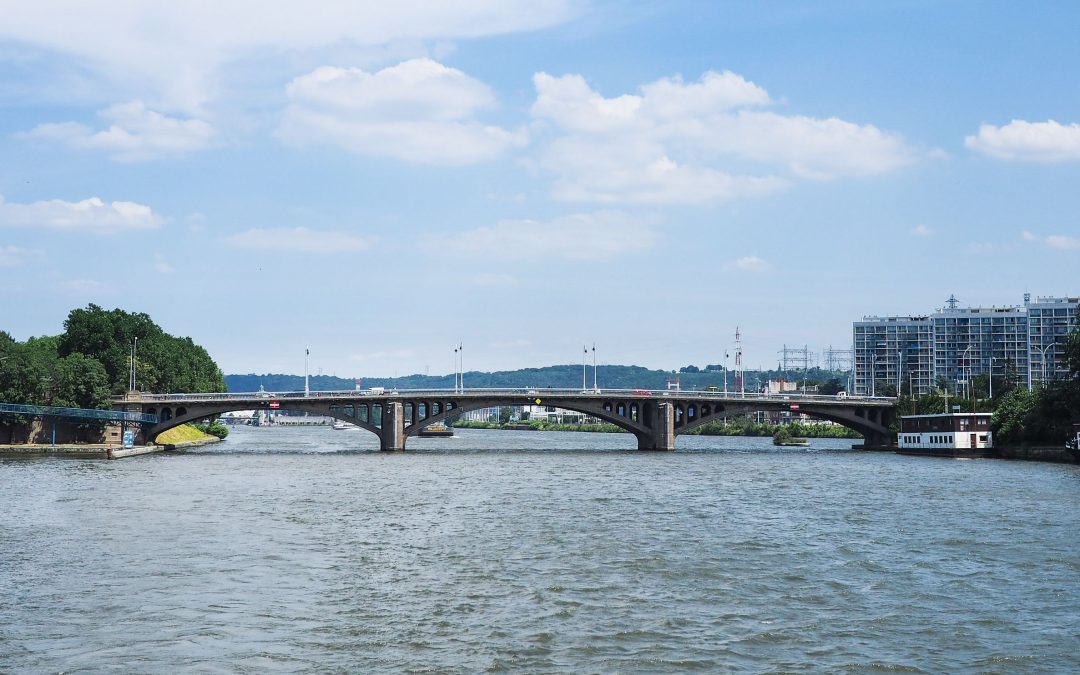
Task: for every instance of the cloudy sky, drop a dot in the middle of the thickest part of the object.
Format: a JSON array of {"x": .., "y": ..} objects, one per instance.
[{"x": 380, "y": 181}]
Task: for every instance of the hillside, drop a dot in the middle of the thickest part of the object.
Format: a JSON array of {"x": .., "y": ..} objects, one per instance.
[{"x": 563, "y": 376}]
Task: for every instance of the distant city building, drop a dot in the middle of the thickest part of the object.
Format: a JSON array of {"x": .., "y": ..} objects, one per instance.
[
  {"x": 893, "y": 350},
  {"x": 918, "y": 354},
  {"x": 1049, "y": 322}
]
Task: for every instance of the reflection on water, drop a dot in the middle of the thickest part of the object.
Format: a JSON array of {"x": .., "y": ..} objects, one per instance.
[{"x": 305, "y": 549}]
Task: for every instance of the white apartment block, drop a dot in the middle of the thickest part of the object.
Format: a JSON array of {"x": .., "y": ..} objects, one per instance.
[{"x": 955, "y": 344}]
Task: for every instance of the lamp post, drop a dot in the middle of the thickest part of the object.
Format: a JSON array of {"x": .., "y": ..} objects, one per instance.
[
  {"x": 134, "y": 355},
  {"x": 873, "y": 370},
  {"x": 584, "y": 355},
  {"x": 992, "y": 362},
  {"x": 725, "y": 372},
  {"x": 899, "y": 370},
  {"x": 595, "y": 388},
  {"x": 1042, "y": 358},
  {"x": 963, "y": 357},
  {"x": 307, "y": 383}
]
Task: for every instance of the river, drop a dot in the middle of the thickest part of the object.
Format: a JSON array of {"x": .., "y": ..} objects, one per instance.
[{"x": 305, "y": 550}]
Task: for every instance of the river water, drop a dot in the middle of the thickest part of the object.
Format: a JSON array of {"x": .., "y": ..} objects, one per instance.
[{"x": 305, "y": 550}]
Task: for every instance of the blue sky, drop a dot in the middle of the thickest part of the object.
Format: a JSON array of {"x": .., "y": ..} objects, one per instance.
[{"x": 381, "y": 181}]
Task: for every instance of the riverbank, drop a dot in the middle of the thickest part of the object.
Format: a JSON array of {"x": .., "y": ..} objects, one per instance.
[
  {"x": 708, "y": 429},
  {"x": 179, "y": 438}
]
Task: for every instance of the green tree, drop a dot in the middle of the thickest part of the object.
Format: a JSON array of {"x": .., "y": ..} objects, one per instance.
[
  {"x": 163, "y": 363},
  {"x": 80, "y": 382},
  {"x": 832, "y": 387},
  {"x": 505, "y": 413}
]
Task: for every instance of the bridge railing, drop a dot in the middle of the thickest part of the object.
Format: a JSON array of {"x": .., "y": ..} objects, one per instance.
[
  {"x": 512, "y": 391},
  {"x": 78, "y": 413}
]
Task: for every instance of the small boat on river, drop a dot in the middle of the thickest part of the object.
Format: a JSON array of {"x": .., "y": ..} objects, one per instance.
[{"x": 436, "y": 430}]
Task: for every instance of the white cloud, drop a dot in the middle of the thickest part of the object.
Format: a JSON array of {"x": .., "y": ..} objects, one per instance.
[
  {"x": 922, "y": 231},
  {"x": 12, "y": 256},
  {"x": 750, "y": 263},
  {"x": 1061, "y": 242},
  {"x": 135, "y": 133},
  {"x": 416, "y": 111},
  {"x": 583, "y": 236},
  {"x": 89, "y": 215},
  {"x": 299, "y": 240},
  {"x": 161, "y": 266},
  {"x": 82, "y": 287},
  {"x": 1019, "y": 140},
  {"x": 172, "y": 52},
  {"x": 710, "y": 140}
]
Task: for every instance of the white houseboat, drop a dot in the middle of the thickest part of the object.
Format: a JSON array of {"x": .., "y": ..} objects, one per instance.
[{"x": 946, "y": 434}]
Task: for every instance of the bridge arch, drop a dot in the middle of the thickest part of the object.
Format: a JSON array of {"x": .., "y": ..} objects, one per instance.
[
  {"x": 183, "y": 415},
  {"x": 609, "y": 415},
  {"x": 872, "y": 426}
]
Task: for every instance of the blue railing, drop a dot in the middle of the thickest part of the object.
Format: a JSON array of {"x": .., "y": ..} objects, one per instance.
[{"x": 78, "y": 413}]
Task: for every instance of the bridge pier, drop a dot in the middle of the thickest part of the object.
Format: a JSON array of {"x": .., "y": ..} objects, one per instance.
[
  {"x": 662, "y": 434},
  {"x": 392, "y": 434}
]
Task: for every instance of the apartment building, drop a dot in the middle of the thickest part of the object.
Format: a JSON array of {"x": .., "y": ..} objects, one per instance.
[{"x": 916, "y": 354}]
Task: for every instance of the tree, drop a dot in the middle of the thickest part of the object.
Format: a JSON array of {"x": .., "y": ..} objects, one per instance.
[
  {"x": 505, "y": 413},
  {"x": 163, "y": 363},
  {"x": 80, "y": 382},
  {"x": 832, "y": 387}
]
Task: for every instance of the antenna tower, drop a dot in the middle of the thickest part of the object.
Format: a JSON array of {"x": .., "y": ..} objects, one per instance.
[{"x": 838, "y": 359}]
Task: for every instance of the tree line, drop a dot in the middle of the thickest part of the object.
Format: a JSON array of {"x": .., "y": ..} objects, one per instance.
[{"x": 92, "y": 360}]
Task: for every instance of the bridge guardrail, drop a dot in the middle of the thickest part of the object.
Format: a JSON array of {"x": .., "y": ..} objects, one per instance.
[
  {"x": 78, "y": 413},
  {"x": 516, "y": 391}
]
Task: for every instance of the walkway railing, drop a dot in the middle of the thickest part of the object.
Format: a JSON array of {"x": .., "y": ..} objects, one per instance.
[{"x": 78, "y": 413}]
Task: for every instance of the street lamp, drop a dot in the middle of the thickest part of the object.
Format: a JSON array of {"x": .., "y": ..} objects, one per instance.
[
  {"x": 963, "y": 357},
  {"x": 307, "y": 384},
  {"x": 585, "y": 353},
  {"x": 1042, "y": 358},
  {"x": 595, "y": 388},
  {"x": 873, "y": 370},
  {"x": 726, "y": 373},
  {"x": 134, "y": 355}
]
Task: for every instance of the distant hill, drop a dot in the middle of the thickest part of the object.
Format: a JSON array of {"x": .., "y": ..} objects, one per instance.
[{"x": 567, "y": 376}]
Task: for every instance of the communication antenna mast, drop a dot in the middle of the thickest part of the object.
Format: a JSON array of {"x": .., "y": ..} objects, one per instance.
[{"x": 739, "y": 383}]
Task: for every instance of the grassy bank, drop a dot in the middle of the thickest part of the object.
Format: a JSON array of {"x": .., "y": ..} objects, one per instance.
[
  {"x": 185, "y": 433},
  {"x": 797, "y": 429}
]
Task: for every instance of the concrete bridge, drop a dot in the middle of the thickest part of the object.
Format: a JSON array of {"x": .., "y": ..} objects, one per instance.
[{"x": 654, "y": 417}]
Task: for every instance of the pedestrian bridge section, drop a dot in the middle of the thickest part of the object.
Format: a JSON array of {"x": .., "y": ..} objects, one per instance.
[{"x": 654, "y": 417}]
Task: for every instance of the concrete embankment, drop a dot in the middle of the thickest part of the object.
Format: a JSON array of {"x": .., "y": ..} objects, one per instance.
[
  {"x": 82, "y": 451},
  {"x": 79, "y": 451},
  {"x": 1060, "y": 455}
]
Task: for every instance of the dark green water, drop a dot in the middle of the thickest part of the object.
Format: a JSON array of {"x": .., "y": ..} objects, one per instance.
[{"x": 303, "y": 550}]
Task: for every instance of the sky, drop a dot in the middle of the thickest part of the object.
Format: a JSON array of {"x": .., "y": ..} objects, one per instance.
[{"x": 381, "y": 182}]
